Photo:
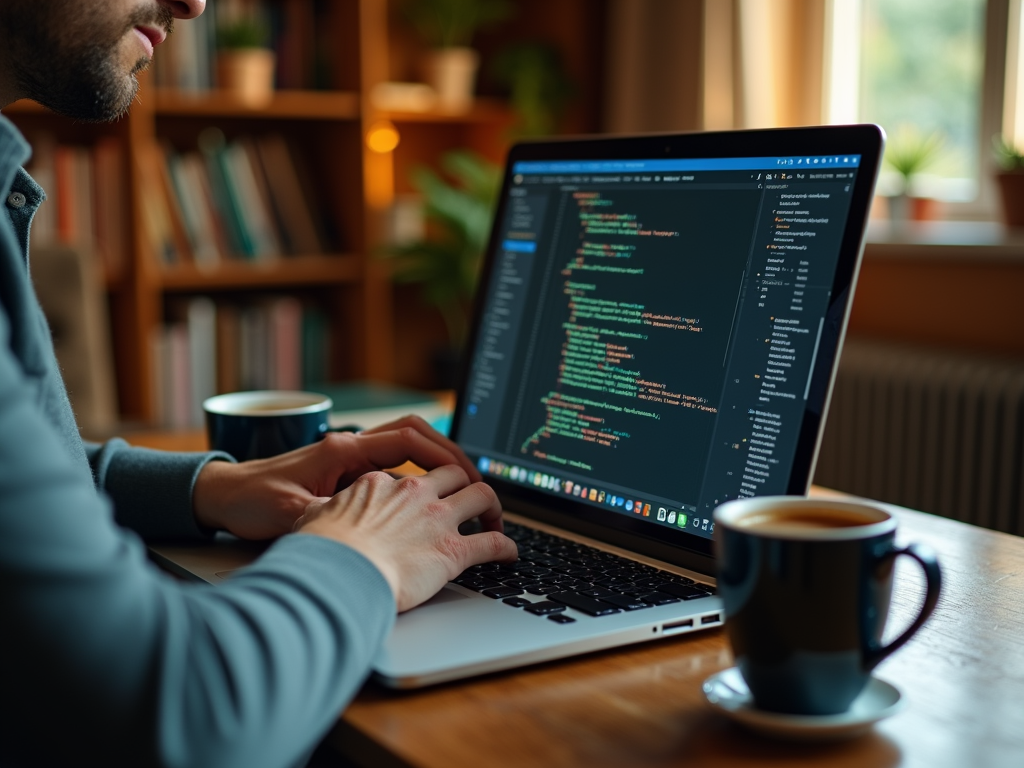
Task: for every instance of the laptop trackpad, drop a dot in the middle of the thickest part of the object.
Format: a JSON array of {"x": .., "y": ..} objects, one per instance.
[{"x": 446, "y": 595}]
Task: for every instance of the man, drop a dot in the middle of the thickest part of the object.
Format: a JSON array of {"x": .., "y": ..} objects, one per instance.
[{"x": 104, "y": 660}]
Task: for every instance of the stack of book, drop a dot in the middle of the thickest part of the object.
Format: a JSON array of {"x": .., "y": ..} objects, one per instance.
[
  {"x": 243, "y": 199},
  {"x": 209, "y": 349},
  {"x": 298, "y": 35},
  {"x": 85, "y": 204}
]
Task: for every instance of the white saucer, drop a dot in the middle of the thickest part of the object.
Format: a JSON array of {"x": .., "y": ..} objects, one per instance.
[{"x": 727, "y": 693}]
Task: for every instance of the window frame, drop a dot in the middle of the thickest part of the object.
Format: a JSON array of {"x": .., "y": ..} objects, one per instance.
[{"x": 1001, "y": 51}]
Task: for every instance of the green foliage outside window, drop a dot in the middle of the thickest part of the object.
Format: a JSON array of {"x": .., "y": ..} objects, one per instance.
[{"x": 922, "y": 66}]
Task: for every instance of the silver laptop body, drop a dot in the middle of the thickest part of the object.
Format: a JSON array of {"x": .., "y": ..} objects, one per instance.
[{"x": 657, "y": 329}]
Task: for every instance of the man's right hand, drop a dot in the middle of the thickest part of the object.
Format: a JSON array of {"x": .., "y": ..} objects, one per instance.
[{"x": 408, "y": 528}]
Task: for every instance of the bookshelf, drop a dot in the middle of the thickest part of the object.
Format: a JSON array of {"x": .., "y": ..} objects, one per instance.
[
  {"x": 377, "y": 331},
  {"x": 325, "y": 130}
]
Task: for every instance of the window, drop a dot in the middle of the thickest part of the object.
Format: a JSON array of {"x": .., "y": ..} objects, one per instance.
[{"x": 929, "y": 67}]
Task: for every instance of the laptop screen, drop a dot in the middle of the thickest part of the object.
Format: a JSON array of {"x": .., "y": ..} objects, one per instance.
[{"x": 649, "y": 328}]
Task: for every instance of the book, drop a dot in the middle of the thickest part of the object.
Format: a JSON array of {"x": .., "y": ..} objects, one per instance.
[
  {"x": 84, "y": 227},
  {"x": 315, "y": 348},
  {"x": 187, "y": 175},
  {"x": 253, "y": 214},
  {"x": 285, "y": 330},
  {"x": 111, "y": 205},
  {"x": 202, "y": 356},
  {"x": 64, "y": 177},
  {"x": 290, "y": 200},
  {"x": 229, "y": 341},
  {"x": 225, "y": 197},
  {"x": 160, "y": 213},
  {"x": 43, "y": 170}
]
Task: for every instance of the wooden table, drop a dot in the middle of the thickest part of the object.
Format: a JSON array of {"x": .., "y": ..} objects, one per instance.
[{"x": 962, "y": 676}]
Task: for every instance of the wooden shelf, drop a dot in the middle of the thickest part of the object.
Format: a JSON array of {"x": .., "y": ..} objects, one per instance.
[
  {"x": 286, "y": 272},
  {"x": 286, "y": 105},
  {"x": 482, "y": 111}
]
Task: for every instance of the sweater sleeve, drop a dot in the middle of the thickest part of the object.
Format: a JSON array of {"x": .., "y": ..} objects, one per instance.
[
  {"x": 151, "y": 490},
  {"x": 108, "y": 661}
]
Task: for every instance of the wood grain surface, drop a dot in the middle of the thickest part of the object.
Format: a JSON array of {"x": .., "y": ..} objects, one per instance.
[{"x": 962, "y": 677}]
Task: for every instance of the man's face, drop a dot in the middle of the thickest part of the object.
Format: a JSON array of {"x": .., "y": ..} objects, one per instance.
[{"x": 79, "y": 57}]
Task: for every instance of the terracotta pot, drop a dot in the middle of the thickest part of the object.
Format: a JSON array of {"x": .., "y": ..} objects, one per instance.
[
  {"x": 452, "y": 74},
  {"x": 1011, "y": 185},
  {"x": 248, "y": 73}
]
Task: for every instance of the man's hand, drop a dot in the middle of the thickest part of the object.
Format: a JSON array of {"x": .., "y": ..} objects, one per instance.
[
  {"x": 408, "y": 528},
  {"x": 262, "y": 499}
]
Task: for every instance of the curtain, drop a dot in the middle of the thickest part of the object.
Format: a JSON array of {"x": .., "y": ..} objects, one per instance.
[{"x": 715, "y": 64}]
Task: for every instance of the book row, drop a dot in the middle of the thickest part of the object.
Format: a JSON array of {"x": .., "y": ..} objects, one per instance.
[
  {"x": 211, "y": 348},
  {"x": 85, "y": 204},
  {"x": 240, "y": 199}
]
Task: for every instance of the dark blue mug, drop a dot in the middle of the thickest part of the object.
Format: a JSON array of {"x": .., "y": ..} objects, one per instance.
[
  {"x": 806, "y": 586},
  {"x": 257, "y": 425}
]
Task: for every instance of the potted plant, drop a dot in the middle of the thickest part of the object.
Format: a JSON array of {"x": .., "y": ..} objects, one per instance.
[
  {"x": 1011, "y": 182},
  {"x": 448, "y": 27},
  {"x": 446, "y": 263},
  {"x": 909, "y": 152},
  {"x": 245, "y": 63},
  {"x": 538, "y": 85}
]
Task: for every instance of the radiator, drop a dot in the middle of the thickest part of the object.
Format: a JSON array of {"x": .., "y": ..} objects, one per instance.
[{"x": 932, "y": 430}]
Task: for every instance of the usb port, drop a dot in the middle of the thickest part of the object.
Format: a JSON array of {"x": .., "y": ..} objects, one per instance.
[
  {"x": 714, "y": 618},
  {"x": 676, "y": 626}
]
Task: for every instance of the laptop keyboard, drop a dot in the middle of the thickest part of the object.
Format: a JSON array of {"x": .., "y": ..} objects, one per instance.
[{"x": 560, "y": 573}]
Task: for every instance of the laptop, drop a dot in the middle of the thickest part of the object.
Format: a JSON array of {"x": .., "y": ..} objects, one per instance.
[{"x": 657, "y": 329}]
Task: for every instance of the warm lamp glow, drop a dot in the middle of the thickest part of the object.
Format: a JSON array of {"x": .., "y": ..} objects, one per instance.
[{"x": 382, "y": 137}]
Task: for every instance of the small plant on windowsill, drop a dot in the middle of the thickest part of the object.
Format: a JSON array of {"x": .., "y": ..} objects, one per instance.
[
  {"x": 1011, "y": 181},
  {"x": 909, "y": 153}
]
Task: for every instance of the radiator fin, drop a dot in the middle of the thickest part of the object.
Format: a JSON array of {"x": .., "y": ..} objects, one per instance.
[{"x": 933, "y": 430}]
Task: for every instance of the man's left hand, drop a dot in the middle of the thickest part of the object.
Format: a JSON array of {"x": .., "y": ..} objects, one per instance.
[{"x": 262, "y": 499}]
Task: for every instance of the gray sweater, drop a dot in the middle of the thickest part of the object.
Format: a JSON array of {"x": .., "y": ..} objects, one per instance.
[{"x": 104, "y": 659}]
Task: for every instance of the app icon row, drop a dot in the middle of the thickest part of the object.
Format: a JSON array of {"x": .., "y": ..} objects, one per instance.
[{"x": 548, "y": 482}]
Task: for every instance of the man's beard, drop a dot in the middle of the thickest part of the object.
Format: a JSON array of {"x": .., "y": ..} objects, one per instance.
[{"x": 84, "y": 81}]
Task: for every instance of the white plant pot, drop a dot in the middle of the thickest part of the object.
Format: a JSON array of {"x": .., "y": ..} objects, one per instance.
[{"x": 451, "y": 72}]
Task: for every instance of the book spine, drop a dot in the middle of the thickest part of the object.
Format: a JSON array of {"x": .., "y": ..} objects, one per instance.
[
  {"x": 64, "y": 170},
  {"x": 252, "y": 213},
  {"x": 286, "y": 342},
  {"x": 314, "y": 348},
  {"x": 111, "y": 206},
  {"x": 43, "y": 170},
  {"x": 229, "y": 202},
  {"x": 202, "y": 355}
]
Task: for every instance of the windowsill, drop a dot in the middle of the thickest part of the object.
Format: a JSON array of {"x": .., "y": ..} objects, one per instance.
[{"x": 953, "y": 240}]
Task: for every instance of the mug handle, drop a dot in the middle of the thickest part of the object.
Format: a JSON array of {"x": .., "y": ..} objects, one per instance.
[{"x": 933, "y": 584}]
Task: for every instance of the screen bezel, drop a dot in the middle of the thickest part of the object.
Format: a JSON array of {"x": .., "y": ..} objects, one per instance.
[{"x": 687, "y": 549}]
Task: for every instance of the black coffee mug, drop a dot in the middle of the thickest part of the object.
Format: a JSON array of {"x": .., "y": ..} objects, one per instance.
[
  {"x": 257, "y": 425},
  {"x": 806, "y": 586}
]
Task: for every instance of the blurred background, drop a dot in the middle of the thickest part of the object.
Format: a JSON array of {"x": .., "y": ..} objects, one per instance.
[{"x": 303, "y": 190}]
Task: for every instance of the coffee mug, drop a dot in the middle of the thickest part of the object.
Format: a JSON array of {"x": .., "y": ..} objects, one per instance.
[
  {"x": 256, "y": 425},
  {"x": 806, "y": 586}
]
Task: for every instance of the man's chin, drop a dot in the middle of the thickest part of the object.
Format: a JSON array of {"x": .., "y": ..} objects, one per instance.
[{"x": 97, "y": 104}]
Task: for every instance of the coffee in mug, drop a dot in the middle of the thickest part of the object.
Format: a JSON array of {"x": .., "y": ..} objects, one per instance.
[
  {"x": 806, "y": 585},
  {"x": 257, "y": 425}
]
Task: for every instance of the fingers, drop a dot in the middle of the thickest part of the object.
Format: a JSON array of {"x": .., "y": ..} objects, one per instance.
[
  {"x": 488, "y": 547},
  {"x": 478, "y": 500},
  {"x": 443, "y": 481},
  {"x": 395, "y": 447},
  {"x": 418, "y": 424}
]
